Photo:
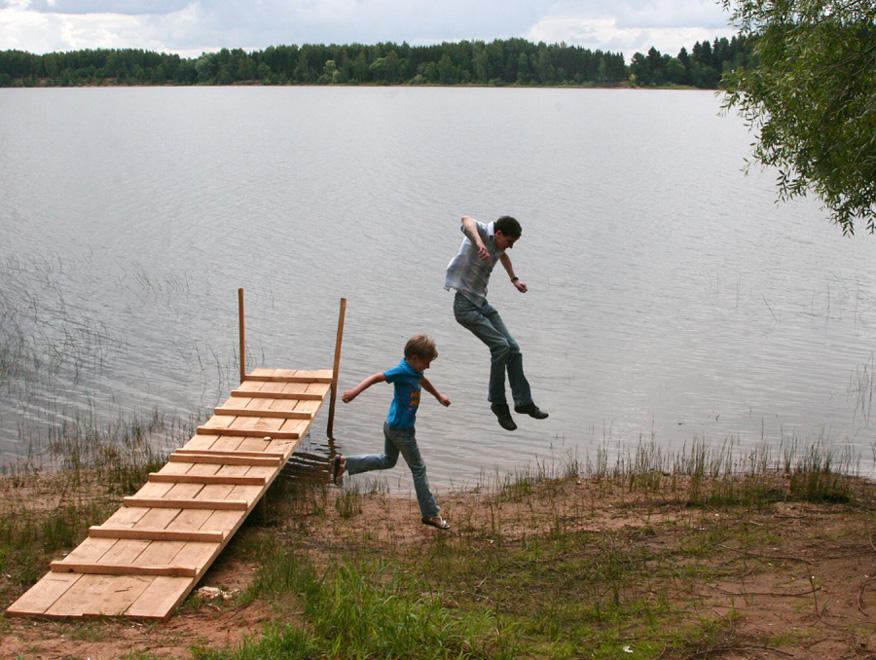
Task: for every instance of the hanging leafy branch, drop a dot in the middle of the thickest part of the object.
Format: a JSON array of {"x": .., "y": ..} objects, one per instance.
[{"x": 811, "y": 99}]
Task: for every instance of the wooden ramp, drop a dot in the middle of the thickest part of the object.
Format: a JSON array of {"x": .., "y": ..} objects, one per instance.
[{"x": 147, "y": 557}]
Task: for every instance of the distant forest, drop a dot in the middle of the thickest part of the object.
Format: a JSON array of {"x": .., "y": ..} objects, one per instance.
[{"x": 499, "y": 63}]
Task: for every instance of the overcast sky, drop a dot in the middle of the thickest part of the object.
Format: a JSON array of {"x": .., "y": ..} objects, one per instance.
[{"x": 192, "y": 27}]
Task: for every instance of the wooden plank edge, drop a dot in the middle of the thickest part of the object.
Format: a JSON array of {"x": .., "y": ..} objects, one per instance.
[
  {"x": 268, "y": 414},
  {"x": 232, "y": 453},
  {"x": 95, "y": 568},
  {"x": 259, "y": 378},
  {"x": 226, "y": 459},
  {"x": 219, "y": 479},
  {"x": 250, "y": 433},
  {"x": 301, "y": 396},
  {"x": 179, "y": 503},
  {"x": 154, "y": 534}
]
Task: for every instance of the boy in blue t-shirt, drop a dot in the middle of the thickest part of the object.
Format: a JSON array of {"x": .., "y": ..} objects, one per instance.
[{"x": 398, "y": 430}]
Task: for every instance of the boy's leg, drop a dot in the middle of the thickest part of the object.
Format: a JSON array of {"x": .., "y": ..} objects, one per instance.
[
  {"x": 368, "y": 462},
  {"x": 406, "y": 441}
]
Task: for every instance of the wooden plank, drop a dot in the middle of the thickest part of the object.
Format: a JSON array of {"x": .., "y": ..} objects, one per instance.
[
  {"x": 246, "y": 412},
  {"x": 185, "y": 503},
  {"x": 117, "y": 596},
  {"x": 99, "y": 595},
  {"x": 160, "y": 597},
  {"x": 40, "y": 597},
  {"x": 272, "y": 460},
  {"x": 126, "y": 517},
  {"x": 258, "y": 453},
  {"x": 216, "y": 424},
  {"x": 299, "y": 377},
  {"x": 202, "y": 441},
  {"x": 154, "y": 490},
  {"x": 157, "y": 518},
  {"x": 259, "y": 446},
  {"x": 257, "y": 426},
  {"x": 124, "y": 551},
  {"x": 121, "y": 569},
  {"x": 91, "y": 549},
  {"x": 160, "y": 553},
  {"x": 303, "y": 396},
  {"x": 206, "y": 479},
  {"x": 282, "y": 435},
  {"x": 155, "y": 534},
  {"x": 196, "y": 519}
]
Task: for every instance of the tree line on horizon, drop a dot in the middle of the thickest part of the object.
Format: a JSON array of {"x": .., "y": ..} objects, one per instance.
[{"x": 498, "y": 63}]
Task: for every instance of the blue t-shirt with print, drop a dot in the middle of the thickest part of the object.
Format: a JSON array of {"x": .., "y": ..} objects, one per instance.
[{"x": 406, "y": 380}]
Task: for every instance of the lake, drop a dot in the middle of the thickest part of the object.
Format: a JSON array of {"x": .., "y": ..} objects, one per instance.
[{"x": 670, "y": 298}]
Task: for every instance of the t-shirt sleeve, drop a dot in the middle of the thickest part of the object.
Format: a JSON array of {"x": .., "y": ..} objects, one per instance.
[{"x": 393, "y": 374}]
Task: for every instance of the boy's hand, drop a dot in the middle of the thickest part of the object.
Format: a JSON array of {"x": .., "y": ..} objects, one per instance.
[
  {"x": 349, "y": 395},
  {"x": 443, "y": 400}
]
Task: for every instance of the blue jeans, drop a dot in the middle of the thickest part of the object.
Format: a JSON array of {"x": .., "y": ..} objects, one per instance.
[
  {"x": 397, "y": 441},
  {"x": 486, "y": 324}
]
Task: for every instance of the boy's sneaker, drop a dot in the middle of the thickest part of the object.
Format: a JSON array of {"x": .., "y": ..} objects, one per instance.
[
  {"x": 532, "y": 410},
  {"x": 503, "y": 413},
  {"x": 436, "y": 521}
]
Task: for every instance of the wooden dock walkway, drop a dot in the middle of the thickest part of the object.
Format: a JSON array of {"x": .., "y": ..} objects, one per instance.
[{"x": 147, "y": 557}]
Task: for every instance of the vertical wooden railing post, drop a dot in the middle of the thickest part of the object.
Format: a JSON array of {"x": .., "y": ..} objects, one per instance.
[
  {"x": 242, "y": 336},
  {"x": 334, "y": 389}
]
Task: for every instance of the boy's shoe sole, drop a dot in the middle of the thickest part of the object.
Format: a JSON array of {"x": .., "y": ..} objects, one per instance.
[
  {"x": 436, "y": 521},
  {"x": 532, "y": 410}
]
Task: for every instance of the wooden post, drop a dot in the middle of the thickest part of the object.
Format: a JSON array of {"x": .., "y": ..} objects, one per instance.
[
  {"x": 242, "y": 336},
  {"x": 334, "y": 389}
]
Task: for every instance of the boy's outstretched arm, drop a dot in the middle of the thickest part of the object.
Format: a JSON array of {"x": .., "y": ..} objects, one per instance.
[
  {"x": 349, "y": 395},
  {"x": 430, "y": 388}
]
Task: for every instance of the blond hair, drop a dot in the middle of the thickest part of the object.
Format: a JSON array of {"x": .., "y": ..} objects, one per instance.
[{"x": 422, "y": 346}]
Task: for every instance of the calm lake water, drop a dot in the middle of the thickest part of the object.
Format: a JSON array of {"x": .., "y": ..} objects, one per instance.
[{"x": 670, "y": 299}]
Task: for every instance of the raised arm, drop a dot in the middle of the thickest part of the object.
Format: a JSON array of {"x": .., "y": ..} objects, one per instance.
[
  {"x": 430, "y": 388},
  {"x": 505, "y": 260},
  {"x": 349, "y": 395},
  {"x": 471, "y": 230}
]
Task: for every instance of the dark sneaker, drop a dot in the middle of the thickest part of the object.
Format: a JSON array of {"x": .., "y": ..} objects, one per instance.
[
  {"x": 532, "y": 410},
  {"x": 503, "y": 413}
]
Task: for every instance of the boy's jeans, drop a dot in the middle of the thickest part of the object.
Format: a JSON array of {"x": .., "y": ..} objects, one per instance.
[
  {"x": 404, "y": 441},
  {"x": 487, "y": 325}
]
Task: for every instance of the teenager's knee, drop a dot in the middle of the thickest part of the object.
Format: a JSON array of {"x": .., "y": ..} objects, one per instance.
[{"x": 502, "y": 350}]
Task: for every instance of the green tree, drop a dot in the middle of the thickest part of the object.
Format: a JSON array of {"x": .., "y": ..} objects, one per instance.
[{"x": 812, "y": 99}]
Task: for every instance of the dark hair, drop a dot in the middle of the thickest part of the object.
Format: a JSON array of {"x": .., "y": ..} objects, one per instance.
[
  {"x": 508, "y": 226},
  {"x": 422, "y": 346}
]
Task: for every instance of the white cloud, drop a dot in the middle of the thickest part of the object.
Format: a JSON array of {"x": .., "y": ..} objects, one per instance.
[
  {"x": 190, "y": 27},
  {"x": 607, "y": 35}
]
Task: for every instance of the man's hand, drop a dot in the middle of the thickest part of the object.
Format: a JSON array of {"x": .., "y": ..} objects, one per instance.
[{"x": 520, "y": 286}]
